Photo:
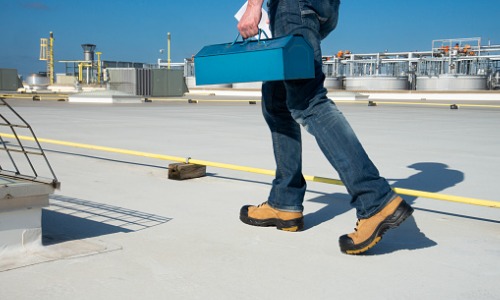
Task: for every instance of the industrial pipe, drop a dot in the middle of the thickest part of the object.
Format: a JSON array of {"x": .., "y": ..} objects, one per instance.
[
  {"x": 50, "y": 62},
  {"x": 99, "y": 67},
  {"x": 402, "y": 191},
  {"x": 435, "y": 104},
  {"x": 168, "y": 52}
]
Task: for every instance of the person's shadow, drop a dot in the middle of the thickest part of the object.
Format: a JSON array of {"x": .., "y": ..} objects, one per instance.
[{"x": 432, "y": 177}]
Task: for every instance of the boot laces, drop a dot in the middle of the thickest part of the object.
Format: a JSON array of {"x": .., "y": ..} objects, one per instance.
[{"x": 357, "y": 224}]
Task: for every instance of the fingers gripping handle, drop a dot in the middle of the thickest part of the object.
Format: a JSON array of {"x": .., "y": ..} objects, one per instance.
[{"x": 246, "y": 40}]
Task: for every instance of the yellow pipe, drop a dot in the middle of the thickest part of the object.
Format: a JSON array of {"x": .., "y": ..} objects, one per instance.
[
  {"x": 199, "y": 101},
  {"x": 38, "y": 97},
  {"x": 29, "y": 95},
  {"x": 228, "y": 100},
  {"x": 258, "y": 100},
  {"x": 80, "y": 72},
  {"x": 99, "y": 148},
  {"x": 437, "y": 104},
  {"x": 50, "y": 62},
  {"x": 229, "y": 166},
  {"x": 445, "y": 197},
  {"x": 99, "y": 68},
  {"x": 337, "y": 101},
  {"x": 479, "y": 105},
  {"x": 402, "y": 191}
]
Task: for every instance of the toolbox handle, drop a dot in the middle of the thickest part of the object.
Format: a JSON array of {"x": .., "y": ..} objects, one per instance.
[{"x": 246, "y": 40}]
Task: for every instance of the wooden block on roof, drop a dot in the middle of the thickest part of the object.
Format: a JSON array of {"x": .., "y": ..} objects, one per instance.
[{"x": 183, "y": 171}]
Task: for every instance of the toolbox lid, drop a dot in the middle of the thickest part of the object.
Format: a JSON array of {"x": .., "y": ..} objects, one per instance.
[{"x": 252, "y": 45}]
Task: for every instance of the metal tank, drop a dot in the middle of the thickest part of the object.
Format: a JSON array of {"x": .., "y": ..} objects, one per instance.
[
  {"x": 88, "y": 52},
  {"x": 37, "y": 82},
  {"x": 333, "y": 70},
  {"x": 334, "y": 83},
  {"x": 376, "y": 83},
  {"x": 448, "y": 82},
  {"x": 495, "y": 81}
]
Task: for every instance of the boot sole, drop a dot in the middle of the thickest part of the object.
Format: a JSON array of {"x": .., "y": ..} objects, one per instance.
[
  {"x": 399, "y": 216},
  {"x": 285, "y": 225}
]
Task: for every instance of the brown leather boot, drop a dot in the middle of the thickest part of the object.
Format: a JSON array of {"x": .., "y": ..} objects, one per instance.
[
  {"x": 264, "y": 215},
  {"x": 368, "y": 232}
]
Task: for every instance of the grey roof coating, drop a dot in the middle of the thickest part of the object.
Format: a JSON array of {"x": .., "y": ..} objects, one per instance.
[{"x": 119, "y": 229}]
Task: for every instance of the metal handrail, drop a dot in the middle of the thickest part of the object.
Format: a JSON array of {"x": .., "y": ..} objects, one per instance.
[{"x": 19, "y": 147}]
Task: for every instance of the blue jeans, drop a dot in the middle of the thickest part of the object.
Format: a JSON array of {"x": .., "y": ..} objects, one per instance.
[{"x": 288, "y": 104}]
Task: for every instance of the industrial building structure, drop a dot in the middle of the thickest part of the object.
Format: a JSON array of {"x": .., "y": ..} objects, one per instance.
[
  {"x": 461, "y": 64},
  {"x": 451, "y": 65},
  {"x": 134, "y": 78},
  {"x": 9, "y": 80}
]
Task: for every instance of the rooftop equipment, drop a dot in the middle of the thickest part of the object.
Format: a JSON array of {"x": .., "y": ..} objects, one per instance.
[
  {"x": 88, "y": 52},
  {"x": 88, "y": 63},
  {"x": 47, "y": 53},
  {"x": 451, "y": 64}
]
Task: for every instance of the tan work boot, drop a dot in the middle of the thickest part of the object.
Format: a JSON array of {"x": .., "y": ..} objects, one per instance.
[
  {"x": 368, "y": 232},
  {"x": 264, "y": 215}
]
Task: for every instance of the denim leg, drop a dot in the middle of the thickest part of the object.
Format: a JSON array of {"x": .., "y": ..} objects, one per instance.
[
  {"x": 309, "y": 106},
  {"x": 338, "y": 142},
  {"x": 289, "y": 186}
]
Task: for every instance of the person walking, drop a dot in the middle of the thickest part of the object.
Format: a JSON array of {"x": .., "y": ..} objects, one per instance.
[{"x": 287, "y": 105}]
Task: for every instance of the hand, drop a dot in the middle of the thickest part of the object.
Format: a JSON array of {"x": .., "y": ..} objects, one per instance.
[{"x": 249, "y": 22}]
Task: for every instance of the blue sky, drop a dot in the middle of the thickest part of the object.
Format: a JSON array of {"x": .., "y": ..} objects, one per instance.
[{"x": 135, "y": 30}]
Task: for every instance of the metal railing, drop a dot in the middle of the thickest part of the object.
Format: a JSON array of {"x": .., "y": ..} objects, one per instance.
[{"x": 22, "y": 159}]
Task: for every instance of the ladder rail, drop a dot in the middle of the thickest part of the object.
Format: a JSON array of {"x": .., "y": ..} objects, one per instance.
[{"x": 24, "y": 149}]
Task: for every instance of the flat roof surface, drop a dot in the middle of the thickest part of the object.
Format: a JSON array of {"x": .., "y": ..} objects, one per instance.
[{"x": 120, "y": 229}]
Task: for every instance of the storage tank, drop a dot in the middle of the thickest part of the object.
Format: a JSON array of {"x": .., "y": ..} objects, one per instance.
[
  {"x": 376, "y": 83},
  {"x": 88, "y": 52},
  {"x": 37, "y": 82},
  {"x": 334, "y": 83},
  {"x": 451, "y": 83},
  {"x": 495, "y": 81}
]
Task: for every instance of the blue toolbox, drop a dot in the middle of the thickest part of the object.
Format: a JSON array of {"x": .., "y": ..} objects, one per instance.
[{"x": 284, "y": 58}]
